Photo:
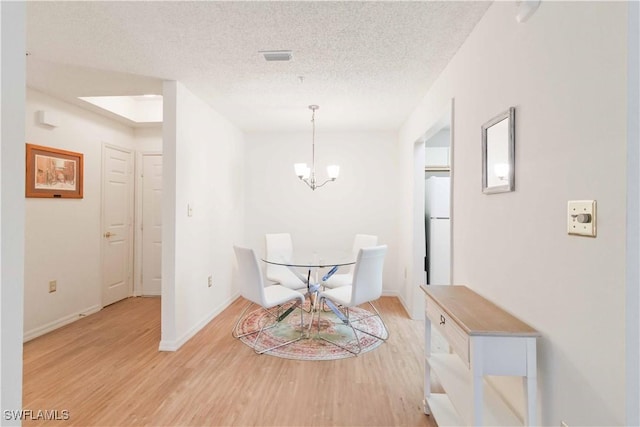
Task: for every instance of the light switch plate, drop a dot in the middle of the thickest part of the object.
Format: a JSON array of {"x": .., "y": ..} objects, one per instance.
[{"x": 581, "y": 207}]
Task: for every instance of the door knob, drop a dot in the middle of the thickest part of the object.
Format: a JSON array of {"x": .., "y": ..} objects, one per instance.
[{"x": 109, "y": 234}]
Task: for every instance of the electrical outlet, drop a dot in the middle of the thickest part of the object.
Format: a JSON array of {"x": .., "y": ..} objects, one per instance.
[
  {"x": 53, "y": 286},
  {"x": 210, "y": 281}
]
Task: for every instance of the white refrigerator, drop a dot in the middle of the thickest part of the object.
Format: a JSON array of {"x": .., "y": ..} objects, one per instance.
[{"x": 438, "y": 230}]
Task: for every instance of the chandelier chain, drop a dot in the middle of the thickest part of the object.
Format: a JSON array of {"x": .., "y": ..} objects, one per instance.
[{"x": 313, "y": 143}]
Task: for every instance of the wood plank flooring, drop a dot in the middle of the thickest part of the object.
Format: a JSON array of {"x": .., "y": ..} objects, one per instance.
[{"x": 106, "y": 370}]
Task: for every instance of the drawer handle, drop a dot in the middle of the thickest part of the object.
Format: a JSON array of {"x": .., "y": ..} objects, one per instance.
[{"x": 442, "y": 319}]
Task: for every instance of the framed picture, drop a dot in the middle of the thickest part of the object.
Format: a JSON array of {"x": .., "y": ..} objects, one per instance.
[{"x": 53, "y": 173}]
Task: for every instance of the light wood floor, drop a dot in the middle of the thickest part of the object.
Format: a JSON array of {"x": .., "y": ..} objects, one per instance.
[{"x": 106, "y": 370}]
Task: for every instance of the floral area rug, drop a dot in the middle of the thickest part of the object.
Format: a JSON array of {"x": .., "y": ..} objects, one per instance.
[{"x": 312, "y": 348}]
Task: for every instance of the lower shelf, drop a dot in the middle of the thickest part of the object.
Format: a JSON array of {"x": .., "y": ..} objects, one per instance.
[
  {"x": 442, "y": 410},
  {"x": 455, "y": 408}
]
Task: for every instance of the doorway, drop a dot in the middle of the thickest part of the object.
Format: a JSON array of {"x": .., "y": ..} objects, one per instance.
[
  {"x": 437, "y": 216},
  {"x": 439, "y": 152}
]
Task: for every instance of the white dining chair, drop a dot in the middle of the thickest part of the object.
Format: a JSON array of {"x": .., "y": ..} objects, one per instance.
[
  {"x": 279, "y": 247},
  {"x": 252, "y": 288},
  {"x": 345, "y": 279},
  {"x": 365, "y": 288}
]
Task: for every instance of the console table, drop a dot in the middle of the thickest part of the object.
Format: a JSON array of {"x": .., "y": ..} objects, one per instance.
[{"x": 485, "y": 340}]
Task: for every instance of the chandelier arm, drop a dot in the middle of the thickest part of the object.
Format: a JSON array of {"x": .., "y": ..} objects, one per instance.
[
  {"x": 306, "y": 181},
  {"x": 328, "y": 180}
]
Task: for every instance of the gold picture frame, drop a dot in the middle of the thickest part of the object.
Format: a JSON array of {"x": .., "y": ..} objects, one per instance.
[{"x": 53, "y": 173}]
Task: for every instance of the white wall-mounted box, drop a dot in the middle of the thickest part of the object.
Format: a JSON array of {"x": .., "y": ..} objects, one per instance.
[{"x": 48, "y": 118}]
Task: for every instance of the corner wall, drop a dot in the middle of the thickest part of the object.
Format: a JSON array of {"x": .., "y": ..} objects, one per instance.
[
  {"x": 12, "y": 164},
  {"x": 203, "y": 170},
  {"x": 633, "y": 219},
  {"x": 565, "y": 72}
]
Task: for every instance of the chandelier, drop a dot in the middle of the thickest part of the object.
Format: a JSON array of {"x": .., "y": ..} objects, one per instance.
[{"x": 308, "y": 175}]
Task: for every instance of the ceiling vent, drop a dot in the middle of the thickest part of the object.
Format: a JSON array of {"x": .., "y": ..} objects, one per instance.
[{"x": 276, "y": 55}]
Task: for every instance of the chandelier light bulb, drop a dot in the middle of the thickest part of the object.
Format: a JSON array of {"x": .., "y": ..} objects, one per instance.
[{"x": 302, "y": 171}]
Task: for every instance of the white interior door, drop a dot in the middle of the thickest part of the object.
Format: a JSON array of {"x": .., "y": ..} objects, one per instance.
[
  {"x": 151, "y": 224},
  {"x": 117, "y": 230}
]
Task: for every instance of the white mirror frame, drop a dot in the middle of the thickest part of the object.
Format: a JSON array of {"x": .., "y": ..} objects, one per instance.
[{"x": 499, "y": 177}]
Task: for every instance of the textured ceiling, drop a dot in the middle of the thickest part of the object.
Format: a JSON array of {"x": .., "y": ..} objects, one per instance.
[{"x": 367, "y": 64}]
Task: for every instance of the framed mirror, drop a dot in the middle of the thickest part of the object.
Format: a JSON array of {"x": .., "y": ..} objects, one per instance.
[{"x": 498, "y": 155}]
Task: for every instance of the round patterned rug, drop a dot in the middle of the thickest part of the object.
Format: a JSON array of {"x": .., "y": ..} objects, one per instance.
[{"x": 312, "y": 348}]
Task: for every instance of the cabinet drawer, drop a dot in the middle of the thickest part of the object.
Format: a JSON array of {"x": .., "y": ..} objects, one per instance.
[{"x": 449, "y": 329}]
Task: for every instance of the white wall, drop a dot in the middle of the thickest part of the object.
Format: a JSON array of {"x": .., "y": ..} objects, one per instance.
[
  {"x": 12, "y": 95},
  {"x": 564, "y": 71},
  {"x": 203, "y": 168},
  {"x": 63, "y": 236},
  {"x": 362, "y": 200},
  {"x": 148, "y": 139}
]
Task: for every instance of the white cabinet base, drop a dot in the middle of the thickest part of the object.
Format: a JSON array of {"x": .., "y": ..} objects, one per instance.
[
  {"x": 485, "y": 341},
  {"x": 452, "y": 372}
]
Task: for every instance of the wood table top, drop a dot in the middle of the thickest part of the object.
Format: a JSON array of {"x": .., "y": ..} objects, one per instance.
[{"x": 475, "y": 314}]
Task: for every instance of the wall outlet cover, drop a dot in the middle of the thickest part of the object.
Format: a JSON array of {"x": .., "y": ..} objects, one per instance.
[{"x": 581, "y": 217}]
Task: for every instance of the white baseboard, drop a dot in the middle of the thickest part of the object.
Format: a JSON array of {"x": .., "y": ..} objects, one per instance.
[
  {"x": 391, "y": 294},
  {"x": 406, "y": 307},
  {"x": 150, "y": 294},
  {"x": 51, "y": 326},
  {"x": 174, "y": 345}
]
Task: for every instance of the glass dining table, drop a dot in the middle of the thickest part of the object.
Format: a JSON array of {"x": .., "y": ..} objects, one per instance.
[{"x": 313, "y": 264}]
